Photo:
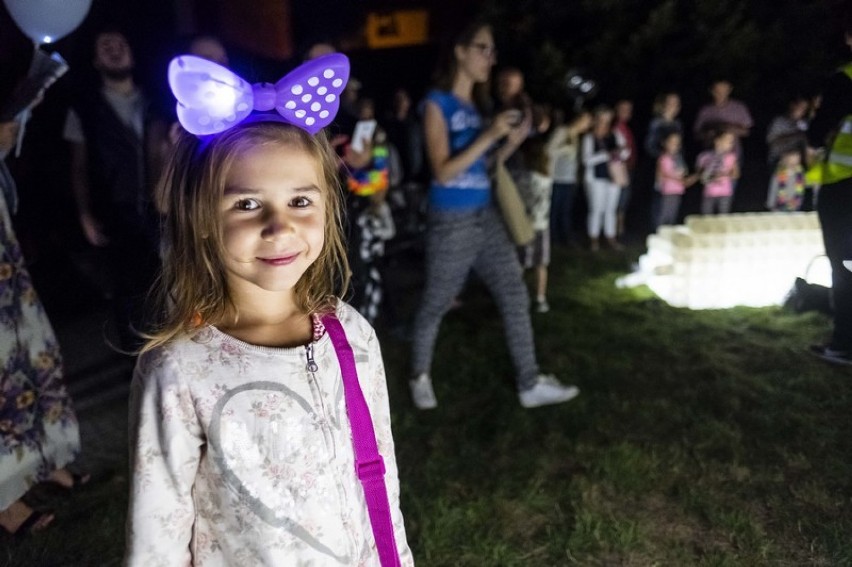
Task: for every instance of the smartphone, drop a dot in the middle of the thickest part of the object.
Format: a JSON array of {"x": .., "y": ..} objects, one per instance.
[
  {"x": 363, "y": 133},
  {"x": 515, "y": 117}
]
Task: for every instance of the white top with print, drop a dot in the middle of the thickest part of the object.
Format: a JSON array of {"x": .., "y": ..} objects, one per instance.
[{"x": 243, "y": 456}]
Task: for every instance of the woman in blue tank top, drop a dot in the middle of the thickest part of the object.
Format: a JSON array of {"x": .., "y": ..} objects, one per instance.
[{"x": 465, "y": 232}]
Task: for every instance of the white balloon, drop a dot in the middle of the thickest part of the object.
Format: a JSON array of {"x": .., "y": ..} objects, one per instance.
[{"x": 45, "y": 21}]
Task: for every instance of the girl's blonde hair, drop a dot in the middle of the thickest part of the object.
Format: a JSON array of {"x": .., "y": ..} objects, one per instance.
[{"x": 192, "y": 288}]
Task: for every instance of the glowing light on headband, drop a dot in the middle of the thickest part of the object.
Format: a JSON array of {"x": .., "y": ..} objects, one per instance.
[{"x": 212, "y": 98}]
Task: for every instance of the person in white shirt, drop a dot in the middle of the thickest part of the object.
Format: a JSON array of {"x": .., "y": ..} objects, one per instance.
[{"x": 563, "y": 148}]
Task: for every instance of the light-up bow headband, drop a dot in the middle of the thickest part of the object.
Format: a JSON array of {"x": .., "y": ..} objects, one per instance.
[{"x": 212, "y": 99}]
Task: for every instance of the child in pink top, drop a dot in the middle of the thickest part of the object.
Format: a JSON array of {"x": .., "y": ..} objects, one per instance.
[
  {"x": 672, "y": 178},
  {"x": 718, "y": 169}
]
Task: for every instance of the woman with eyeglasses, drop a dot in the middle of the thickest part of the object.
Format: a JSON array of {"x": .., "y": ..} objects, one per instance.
[{"x": 465, "y": 231}]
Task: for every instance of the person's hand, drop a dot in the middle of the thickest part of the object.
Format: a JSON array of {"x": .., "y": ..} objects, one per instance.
[
  {"x": 356, "y": 159},
  {"x": 518, "y": 134},
  {"x": 92, "y": 231},
  {"x": 8, "y": 135},
  {"x": 690, "y": 180},
  {"x": 503, "y": 123}
]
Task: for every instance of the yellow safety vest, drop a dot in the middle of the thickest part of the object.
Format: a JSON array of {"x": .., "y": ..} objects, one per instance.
[{"x": 837, "y": 165}]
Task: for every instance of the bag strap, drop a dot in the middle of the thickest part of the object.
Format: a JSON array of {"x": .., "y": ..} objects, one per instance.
[{"x": 369, "y": 465}]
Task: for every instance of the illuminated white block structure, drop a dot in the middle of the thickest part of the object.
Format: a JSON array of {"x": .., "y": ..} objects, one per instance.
[{"x": 721, "y": 261}]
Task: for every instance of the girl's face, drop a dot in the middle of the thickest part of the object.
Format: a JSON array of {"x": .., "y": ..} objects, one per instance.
[
  {"x": 477, "y": 57},
  {"x": 791, "y": 159},
  {"x": 602, "y": 122},
  {"x": 724, "y": 143},
  {"x": 671, "y": 107},
  {"x": 672, "y": 144},
  {"x": 273, "y": 217}
]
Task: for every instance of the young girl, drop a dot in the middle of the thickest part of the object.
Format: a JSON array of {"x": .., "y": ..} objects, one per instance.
[
  {"x": 787, "y": 186},
  {"x": 536, "y": 195},
  {"x": 603, "y": 149},
  {"x": 672, "y": 179},
  {"x": 563, "y": 151},
  {"x": 718, "y": 169},
  {"x": 242, "y": 441}
]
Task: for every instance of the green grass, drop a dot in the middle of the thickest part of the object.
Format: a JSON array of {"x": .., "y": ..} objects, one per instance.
[{"x": 704, "y": 438}]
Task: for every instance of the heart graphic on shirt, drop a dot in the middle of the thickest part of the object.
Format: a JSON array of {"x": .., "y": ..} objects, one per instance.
[{"x": 257, "y": 462}]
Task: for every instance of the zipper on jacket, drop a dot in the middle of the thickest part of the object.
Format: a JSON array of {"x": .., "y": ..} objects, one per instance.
[{"x": 309, "y": 353}]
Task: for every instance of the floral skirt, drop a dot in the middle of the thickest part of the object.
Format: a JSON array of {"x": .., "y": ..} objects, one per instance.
[{"x": 38, "y": 428}]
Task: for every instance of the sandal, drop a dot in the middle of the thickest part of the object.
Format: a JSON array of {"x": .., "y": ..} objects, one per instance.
[{"x": 33, "y": 524}]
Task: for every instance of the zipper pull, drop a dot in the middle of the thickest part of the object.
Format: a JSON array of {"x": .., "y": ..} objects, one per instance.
[{"x": 309, "y": 351}]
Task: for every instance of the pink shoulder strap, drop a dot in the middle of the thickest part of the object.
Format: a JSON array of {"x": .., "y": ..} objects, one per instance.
[{"x": 369, "y": 465}]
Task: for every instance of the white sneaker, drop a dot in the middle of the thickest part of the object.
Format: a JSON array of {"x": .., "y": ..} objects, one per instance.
[
  {"x": 541, "y": 306},
  {"x": 547, "y": 390},
  {"x": 422, "y": 393}
]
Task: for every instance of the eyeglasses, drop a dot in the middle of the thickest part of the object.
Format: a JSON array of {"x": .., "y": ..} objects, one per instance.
[{"x": 485, "y": 49}]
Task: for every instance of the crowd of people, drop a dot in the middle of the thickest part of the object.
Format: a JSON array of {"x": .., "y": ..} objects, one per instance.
[{"x": 241, "y": 234}]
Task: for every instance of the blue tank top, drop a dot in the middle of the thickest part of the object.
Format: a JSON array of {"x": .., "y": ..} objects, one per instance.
[{"x": 470, "y": 189}]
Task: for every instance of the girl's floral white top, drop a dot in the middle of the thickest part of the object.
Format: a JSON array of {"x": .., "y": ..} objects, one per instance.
[{"x": 241, "y": 455}]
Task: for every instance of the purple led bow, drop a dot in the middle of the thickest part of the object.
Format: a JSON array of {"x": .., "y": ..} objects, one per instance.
[{"x": 212, "y": 99}]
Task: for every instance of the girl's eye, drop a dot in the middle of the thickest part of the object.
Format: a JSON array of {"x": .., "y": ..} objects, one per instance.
[
  {"x": 247, "y": 205},
  {"x": 300, "y": 202}
]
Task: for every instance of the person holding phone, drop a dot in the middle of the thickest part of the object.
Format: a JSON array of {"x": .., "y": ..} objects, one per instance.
[{"x": 465, "y": 231}]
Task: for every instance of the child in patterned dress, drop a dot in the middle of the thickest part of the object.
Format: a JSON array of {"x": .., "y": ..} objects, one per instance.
[{"x": 787, "y": 186}]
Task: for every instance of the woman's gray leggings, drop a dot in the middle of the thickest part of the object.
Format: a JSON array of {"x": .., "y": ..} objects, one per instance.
[{"x": 457, "y": 242}]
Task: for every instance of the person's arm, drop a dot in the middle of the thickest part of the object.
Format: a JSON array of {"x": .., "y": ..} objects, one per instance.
[
  {"x": 385, "y": 227},
  {"x": 557, "y": 140},
  {"x": 592, "y": 158},
  {"x": 515, "y": 138},
  {"x": 666, "y": 169},
  {"x": 778, "y": 135},
  {"x": 744, "y": 120},
  {"x": 652, "y": 139},
  {"x": 701, "y": 165},
  {"x": 8, "y": 135},
  {"x": 622, "y": 149},
  {"x": 92, "y": 229},
  {"x": 166, "y": 442},
  {"x": 73, "y": 133},
  {"x": 445, "y": 166},
  {"x": 377, "y": 399},
  {"x": 773, "y": 192},
  {"x": 734, "y": 170}
]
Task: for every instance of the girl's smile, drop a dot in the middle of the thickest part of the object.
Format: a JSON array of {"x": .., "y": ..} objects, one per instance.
[{"x": 280, "y": 260}]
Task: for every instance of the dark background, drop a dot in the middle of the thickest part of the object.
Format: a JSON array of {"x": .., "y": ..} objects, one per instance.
[{"x": 769, "y": 49}]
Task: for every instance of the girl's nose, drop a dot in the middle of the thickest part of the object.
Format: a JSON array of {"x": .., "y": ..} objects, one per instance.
[{"x": 276, "y": 226}]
